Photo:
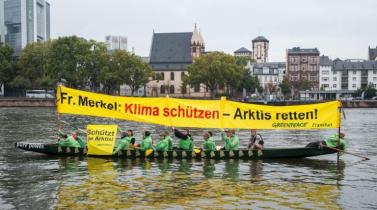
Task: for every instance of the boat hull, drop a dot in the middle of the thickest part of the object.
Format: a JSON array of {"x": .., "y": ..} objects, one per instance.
[{"x": 275, "y": 153}]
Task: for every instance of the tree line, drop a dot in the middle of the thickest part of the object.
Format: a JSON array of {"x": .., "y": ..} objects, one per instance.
[
  {"x": 86, "y": 64},
  {"x": 74, "y": 61}
]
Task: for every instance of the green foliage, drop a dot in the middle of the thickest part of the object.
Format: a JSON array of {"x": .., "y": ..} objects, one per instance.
[
  {"x": 285, "y": 87},
  {"x": 369, "y": 92},
  {"x": 68, "y": 59},
  {"x": 215, "y": 70},
  {"x": 305, "y": 85},
  {"x": 138, "y": 73},
  {"x": 124, "y": 68},
  {"x": 32, "y": 66},
  {"x": 6, "y": 66},
  {"x": 249, "y": 82}
]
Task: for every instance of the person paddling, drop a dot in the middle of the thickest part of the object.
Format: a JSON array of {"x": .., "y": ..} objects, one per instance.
[
  {"x": 126, "y": 141},
  {"x": 331, "y": 142},
  {"x": 163, "y": 144},
  {"x": 72, "y": 141},
  {"x": 146, "y": 143},
  {"x": 232, "y": 141},
  {"x": 185, "y": 140},
  {"x": 209, "y": 144},
  {"x": 256, "y": 140}
]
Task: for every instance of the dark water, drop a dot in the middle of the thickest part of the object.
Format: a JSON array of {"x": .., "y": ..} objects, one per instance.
[{"x": 33, "y": 181}]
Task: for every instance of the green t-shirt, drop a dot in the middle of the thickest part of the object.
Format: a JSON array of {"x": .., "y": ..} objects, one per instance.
[
  {"x": 209, "y": 145},
  {"x": 186, "y": 144},
  {"x": 123, "y": 144},
  {"x": 332, "y": 141},
  {"x": 163, "y": 145},
  {"x": 69, "y": 142},
  {"x": 146, "y": 143},
  {"x": 231, "y": 143}
]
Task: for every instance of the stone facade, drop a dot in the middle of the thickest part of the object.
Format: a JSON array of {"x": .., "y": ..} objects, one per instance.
[
  {"x": 260, "y": 49},
  {"x": 303, "y": 65},
  {"x": 269, "y": 74},
  {"x": 171, "y": 54}
]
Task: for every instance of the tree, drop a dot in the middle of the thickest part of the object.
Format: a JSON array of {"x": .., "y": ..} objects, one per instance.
[
  {"x": 305, "y": 85},
  {"x": 113, "y": 73},
  {"x": 96, "y": 60},
  {"x": 249, "y": 82},
  {"x": 285, "y": 87},
  {"x": 214, "y": 70},
  {"x": 32, "y": 66},
  {"x": 68, "y": 59},
  {"x": 137, "y": 72},
  {"x": 369, "y": 92},
  {"x": 6, "y": 66}
]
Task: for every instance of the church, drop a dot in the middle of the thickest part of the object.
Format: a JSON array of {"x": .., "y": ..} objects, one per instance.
[{"x": 170, "y": 56}]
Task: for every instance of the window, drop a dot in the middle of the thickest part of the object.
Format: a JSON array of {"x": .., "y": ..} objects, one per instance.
[
  {"x": 182, "y": 75},
  {"x": 374, "y": 79},
  {"x": 171, "y": 75},
  {"x": 374, "y": 71},
  {"x": 354, "y": 72},
  {"x": 334, "y": 85},
  {"x": 162, "y": 89},
  {"x": 162, "y": 76},
  {"x": 171, "y": 89},
  {"x": 334, "y": 79},
  {"x": 325, "y": 72},
  {"x": 353, "y": 78},
  {"x": 354, "y": 85},
  {"x": 325, "y": 79},
  {"x": 325, "y": 85}
]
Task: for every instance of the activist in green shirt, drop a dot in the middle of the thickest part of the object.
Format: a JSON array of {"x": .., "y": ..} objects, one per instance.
[
  {"x": 72, "y": 141},
  {"x": 163, "y": 144},
  {"x": 185, "y": 140},
  {"x": 209, "y": 144},
  {"x": 146, "y": 143},
  {"x": 126, "y": 142},
  {"x": 232, "y": 141},
  {"x": 332, "y": 141}
]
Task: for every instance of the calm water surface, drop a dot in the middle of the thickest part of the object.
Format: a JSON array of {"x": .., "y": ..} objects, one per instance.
[{"x": 34, "y": 181}]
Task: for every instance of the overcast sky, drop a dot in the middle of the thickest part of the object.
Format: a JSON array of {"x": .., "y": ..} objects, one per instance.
[{"x": 343, "y": 28}]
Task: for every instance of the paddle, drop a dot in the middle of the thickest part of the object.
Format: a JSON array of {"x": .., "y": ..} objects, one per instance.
[
  {"x": 73, "y": 126},
  {"x": 350, "y": 153}
]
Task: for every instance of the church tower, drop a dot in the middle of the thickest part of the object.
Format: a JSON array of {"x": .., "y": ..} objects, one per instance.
[
  {"x": 260, "y": 49},
  {"x": 197, "y": 43}
]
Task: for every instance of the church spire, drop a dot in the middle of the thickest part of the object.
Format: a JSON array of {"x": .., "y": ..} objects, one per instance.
[{"x": 196, "y": 38}]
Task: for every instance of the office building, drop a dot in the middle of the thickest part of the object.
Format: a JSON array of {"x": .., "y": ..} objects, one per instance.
[
  {"x": 23, "y": 22},
  {"x": 116, "y": 43}
]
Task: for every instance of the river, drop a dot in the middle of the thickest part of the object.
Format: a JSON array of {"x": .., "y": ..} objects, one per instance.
[{"x": 35, "y": 181}]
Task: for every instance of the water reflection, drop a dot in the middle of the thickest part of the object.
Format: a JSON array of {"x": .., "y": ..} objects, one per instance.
[{"x": 106, "y": 184}]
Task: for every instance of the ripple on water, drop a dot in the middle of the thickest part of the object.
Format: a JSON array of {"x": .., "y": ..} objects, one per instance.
[{"x": 34, "y": 181}]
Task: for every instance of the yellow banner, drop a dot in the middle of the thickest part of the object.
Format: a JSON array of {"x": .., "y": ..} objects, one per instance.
[
  {"x": 101, "y": 139},
  {"x": 199, "y": 113}
]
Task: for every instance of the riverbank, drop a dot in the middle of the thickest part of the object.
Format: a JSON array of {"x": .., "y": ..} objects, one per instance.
[
  {"x": 31, "y": 102},
  {"x": 26, "y": 102}
]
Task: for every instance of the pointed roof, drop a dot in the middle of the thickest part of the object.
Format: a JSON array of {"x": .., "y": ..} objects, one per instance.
[
  {"x": 260, "y": 39},
  {"x": 242, "y": 50},
  {"x": 196, "y": 37},
  {"x": 171, "y": 51}
]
